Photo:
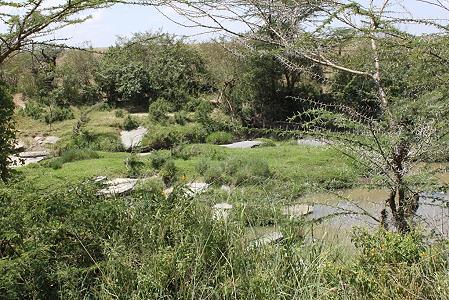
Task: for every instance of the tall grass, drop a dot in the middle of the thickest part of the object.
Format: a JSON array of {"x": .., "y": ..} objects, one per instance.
[{"x": 72, "y": 244}]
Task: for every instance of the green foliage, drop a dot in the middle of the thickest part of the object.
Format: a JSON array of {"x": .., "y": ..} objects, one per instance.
[
  {"x": 180, "y": 117},
  {"x": 7, "y": 133},
  {"x": 77, "y": 76},
  {"x": 266, "y": 142},
  {"x": 263, "y": 89},
  {"x": 169, "y": 172},
  {"x": 235, "y": 170},
  {"x": 34, "y": 110},
  {"x": 49, "y": 114},
  {"x": 78, "y": 154},
  {"x": 158, "y": 159},
  {"x": 395, "y": 266},
  {"x": 119, "y": 113},
  {"x": 166, "y": 137},
  {"x": 130, "y": 123},
  {"x": 220, "y": 138},
  {"x": 88, "y": 139},
  {"x": 134, "y": 165},
  {"x": 70, "y": 155},
  {"x": 151, "y": 66},
  {"x": 159, "y": 109},
  {"x": 70, "y": 243},
  {"x": 57, "y": 114}
]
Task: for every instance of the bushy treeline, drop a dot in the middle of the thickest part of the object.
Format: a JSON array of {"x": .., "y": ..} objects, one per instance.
[
  {"x": 250, "y": 83},
  {"x": 73, "y": 244}
]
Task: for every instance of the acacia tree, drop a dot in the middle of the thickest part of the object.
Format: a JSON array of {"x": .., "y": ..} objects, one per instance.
[{"x": 412, "y": 113}]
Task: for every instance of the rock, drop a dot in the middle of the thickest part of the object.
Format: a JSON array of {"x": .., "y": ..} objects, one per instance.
[
  {"x": 243, "y": 145},
  {"x": 33, "y": 154},
  {"x": 50, "y": 140},
  {"x": 195, "y": 188},
  {"x": 26, "y": 158},
  {"x": 226, "y": 188},
  {"x": 221, "y": 211},
  {"x": 297, "y": 210},
  {"x": 268, "y": 238},
  {"x": 118, "y": 186},
  {"x": 38, "y": 139},
  {"x": 100, "y": 179},
  {"x": 133, "y": 138},
  {"x": 167, "y": 192},
  {"x": 313, "y": 142},
  {"x": 19, "y": 145}
]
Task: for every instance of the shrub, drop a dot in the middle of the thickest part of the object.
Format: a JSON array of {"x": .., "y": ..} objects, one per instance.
[
  {"x": 169, "y": 172},
  {"x": 235, "y": 171},
  {"x": 159, "y": 109},
  {"x": 78, "y": 154},
  {"x": 55, "y": 163},
  {"x": 267, "y": 142},
  {"x": 181, "y": 117},
  {"x": 202, "y": 166},
  {"x": 220, "y": 138},
  {"x": 87, "y": 139},
  {"x": 119, "y": 113},
  {"x": 34, "y": 110},
  {"x": 134, "y": 165},
  {"x": 158, "y": 159},
  {"x": 58, "y": 114},
  {"x": 130, "y": 123},
  {"x": 166, "y": 137}
]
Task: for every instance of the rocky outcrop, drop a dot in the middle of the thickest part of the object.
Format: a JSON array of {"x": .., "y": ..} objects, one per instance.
[{"x": 133, "y": 138}]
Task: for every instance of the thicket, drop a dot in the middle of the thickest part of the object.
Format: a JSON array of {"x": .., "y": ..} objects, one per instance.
[{"x": 73, "y": 244}]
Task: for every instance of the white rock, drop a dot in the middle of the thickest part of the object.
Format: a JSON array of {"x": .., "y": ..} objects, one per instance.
[
  {"x": 19, "y": 145},
  {"x": 118, "y": 186},
  {"x": 17, "y": 161},
  {"x": 133, "y": 138},
  {"x": 268, "y": 238},
  {"x": 226, "y": 188},
  {"x": 100, "y": 179},
  {"x": 312, "y": 142},
  {"x": 243, "y": 145},
  {"x": 168, "y": 191},
  {"x": 50, "y": 140},
  {"x": 33, "y": 154},
  {"x": 297, "y": 210},
  {"x": 195, "y": 188}
]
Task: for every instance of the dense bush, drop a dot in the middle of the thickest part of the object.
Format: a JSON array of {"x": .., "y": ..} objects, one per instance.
[
  {"x": 235, "y": 171},
  {"x": 87, "y": 139},
  {"x": 72, "y": 244},
  {"x": 134, "y": 165},
  {"x": 130, "y": 123},
  {"x": 159, "y": 109},
  {"x": 165, "y": 137},
  {"x": 57, "y": 114},
  {"x": 151, "y": 66},
  {"x": 220, "y": 138},
  {"x": 6, "y": 130},
  {"x": 71, "y": 155},
  {"x": 49, "y": 114},
  {"x": 169, "y": 172}
]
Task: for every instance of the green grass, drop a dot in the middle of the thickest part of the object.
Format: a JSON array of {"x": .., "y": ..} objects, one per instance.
[
  {"x": 109, "y": 164},
  {"x": 317, "y": 168}
]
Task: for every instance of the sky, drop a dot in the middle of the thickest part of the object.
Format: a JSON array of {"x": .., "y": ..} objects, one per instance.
[{"x": 107, "y": 24}]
